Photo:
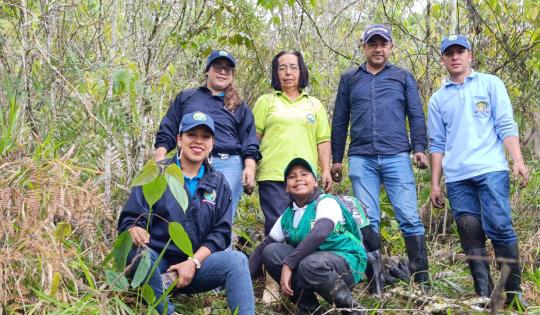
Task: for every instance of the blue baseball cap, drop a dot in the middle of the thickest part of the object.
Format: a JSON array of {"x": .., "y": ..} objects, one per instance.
[
  {"x": 216, "y": 54},
  {"x": 378, "y": 29},
  {"x": 195, "y": 119},
  {"x": 456, "y": 39},
  {"x": 300, "y": 161}
]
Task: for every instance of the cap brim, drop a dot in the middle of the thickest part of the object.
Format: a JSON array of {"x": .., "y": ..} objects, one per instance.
[
  {"x": 444, "y": 48},
  {"x": 298, "y": 161},
  {"x": 197, "y": 125},
  {"x": 388, "y": 38}
]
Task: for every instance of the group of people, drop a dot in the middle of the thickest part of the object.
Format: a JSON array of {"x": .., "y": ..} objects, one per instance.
[{"x": 312, "y": 244}]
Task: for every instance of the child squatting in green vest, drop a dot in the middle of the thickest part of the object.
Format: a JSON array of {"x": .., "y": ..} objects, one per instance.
[{"x": 314, "y": 246}]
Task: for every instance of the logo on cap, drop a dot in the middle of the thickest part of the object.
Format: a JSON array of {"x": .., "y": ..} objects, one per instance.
[
  {"x": 199, "y": 116},
  {"x": 379, "y": 29},
  {"x": 223, "y": 53},
  {"x": 452, "y": 37}
]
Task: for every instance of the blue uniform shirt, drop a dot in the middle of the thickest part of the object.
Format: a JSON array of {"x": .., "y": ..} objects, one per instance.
[
  {"x": 377, "y": 107},
  {"x": 235, "y": 132},
  {"x": 468, "y": 123},
  {"x": 193, "y": 182}
]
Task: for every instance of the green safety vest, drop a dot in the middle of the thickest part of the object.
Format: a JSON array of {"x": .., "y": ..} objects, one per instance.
[{"x": 344, "y": 240}]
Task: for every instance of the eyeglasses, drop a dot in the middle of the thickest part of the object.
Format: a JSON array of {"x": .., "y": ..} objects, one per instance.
[
  {"x": 218, "y": 67},
  {"x": 293, "y": 68}
]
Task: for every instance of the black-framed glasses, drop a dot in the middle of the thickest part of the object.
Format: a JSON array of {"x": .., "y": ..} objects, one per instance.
[{"x": 218, "y": 67}]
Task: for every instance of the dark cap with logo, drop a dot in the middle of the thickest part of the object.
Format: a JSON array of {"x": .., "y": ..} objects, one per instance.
[
  {"x": 217, "y": 54},
  {"x": 299, "y": 161},
  {"x": 195, "y": 119},
  {"x": 378, "y": 29},
  {"x": 456, "y": 39}
]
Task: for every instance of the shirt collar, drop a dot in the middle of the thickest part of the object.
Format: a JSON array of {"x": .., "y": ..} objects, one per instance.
[
  {"x": 302, "y": 94},
  {"x": 199, "y": 175},
  {"x": 205, "y": 88},
  {"x": 472, "y": 75},
  {"x": 364, "y": 67}
]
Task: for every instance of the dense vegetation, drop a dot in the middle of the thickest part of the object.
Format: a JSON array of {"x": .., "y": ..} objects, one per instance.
[{"x": 84, "y": 84}]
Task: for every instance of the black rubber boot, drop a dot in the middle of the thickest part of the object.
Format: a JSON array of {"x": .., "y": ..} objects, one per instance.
[
  {"x": 338, "y": 293},
  {"x": 306, "y": 302},
  {"x": 514, "y": 295},
  {"x": 418, "y": 263},
  {"x": 473, "y": 242},
  {"x": 374, "y": 273}
]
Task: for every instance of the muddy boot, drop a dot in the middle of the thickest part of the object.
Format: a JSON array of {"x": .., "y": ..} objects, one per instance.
[
  {"x": 337, "y": 292},
  {"x": 473, "y": 242},
  {"x": 374, "y": 273},
  {"x": 514, "y": 295},
  {"x": 418, "y": 263}
]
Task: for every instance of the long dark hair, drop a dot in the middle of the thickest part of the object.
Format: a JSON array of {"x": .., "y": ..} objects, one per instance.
[{"x": 304, "y": 73}]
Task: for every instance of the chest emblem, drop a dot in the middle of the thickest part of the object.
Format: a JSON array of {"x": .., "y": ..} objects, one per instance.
[
  {"x": 310, "y": 119},
  {"x": 210, "y": 196},
  {"x": 481, "y": 107}
]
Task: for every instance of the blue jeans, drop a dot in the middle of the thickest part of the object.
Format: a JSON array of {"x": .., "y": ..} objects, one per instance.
[
  {"x": 232, "y": 168},
  {"x": 225, "y": 268},
  {"x": 486, "y": 197},
  {"x": 367, "y": 172}
]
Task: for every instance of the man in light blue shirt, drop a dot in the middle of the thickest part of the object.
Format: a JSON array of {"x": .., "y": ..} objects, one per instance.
[{"x": 469, "y": 121}]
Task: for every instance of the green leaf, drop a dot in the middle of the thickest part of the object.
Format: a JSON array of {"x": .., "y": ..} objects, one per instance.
[
  {"x": 63, "y": 229},
  {"x": 142, "y": 269},
  {"x": 55, "y": 283},
  {"x": 148, "y": 173},
  {"x": 178, "y": 191},
  {"x": 174, "y": 171},
  {"x": 148, "y": 294},
  {"x": 180, "y": 238},
  {"x": 313, "y": 3},
  {"x": 121, "y": 82},
  {"x": 117, "y": 281},
  {"x": 154, "y": 190},
  {"x": 436, "y": 10},
  {"x": 122, "y": 246}
]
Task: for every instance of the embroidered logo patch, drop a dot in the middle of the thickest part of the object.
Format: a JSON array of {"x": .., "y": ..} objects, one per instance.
[
  {"x": 452, "y": 37},
  {"x": 223, "y": 53},
  {"x": 310, "y": 118},
  {"x": 210, "y": 196},
  {"x": 481, "y": 107},
  {"x": 200, "y": 116}
]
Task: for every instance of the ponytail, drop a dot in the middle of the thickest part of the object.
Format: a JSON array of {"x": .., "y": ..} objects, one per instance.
[{"x": 232, "y": 98}]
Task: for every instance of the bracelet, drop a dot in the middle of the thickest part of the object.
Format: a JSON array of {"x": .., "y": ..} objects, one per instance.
[{"x": 196, "y": 261}]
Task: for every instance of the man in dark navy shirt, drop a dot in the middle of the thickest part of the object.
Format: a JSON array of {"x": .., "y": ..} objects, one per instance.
[{"x": 377, "y": 98}]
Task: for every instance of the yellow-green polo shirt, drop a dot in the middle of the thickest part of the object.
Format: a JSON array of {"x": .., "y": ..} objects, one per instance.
[{"x": 290, "y": 129}]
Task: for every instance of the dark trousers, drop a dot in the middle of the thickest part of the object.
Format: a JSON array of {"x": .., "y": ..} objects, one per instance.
[
  {"x": 274, "y": 200},
  {"x": 317, "y": 270}
]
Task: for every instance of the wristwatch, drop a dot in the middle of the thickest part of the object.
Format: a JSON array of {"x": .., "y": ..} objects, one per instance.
[{"x": 196, "y": 261}]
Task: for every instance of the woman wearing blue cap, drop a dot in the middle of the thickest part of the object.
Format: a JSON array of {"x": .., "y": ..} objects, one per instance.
[
  {"x": 207, "y": 221},
  {"x": 236, "y": 149}
]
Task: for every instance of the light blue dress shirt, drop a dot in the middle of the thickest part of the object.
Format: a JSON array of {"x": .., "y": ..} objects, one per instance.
[{"x": 468, "y": 123}]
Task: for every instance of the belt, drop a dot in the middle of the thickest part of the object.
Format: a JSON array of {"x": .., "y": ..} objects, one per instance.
[{"x": 222, "y": 156}]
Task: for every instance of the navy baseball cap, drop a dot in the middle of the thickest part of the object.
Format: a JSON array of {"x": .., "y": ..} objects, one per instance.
[
  {"x": 457, "y": 39},
  {"x": 216, "y": 54},
  {"x": 192, "y": 120},
  {"x": 378, "y": 29},
  {"x": 300, "y": 161}
]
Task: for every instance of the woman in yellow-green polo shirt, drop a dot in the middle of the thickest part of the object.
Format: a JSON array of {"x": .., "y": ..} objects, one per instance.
[{"x": 289, "y": 123}]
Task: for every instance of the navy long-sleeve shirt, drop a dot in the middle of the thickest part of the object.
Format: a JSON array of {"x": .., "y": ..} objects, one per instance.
[
  {"x": 207, "y": 220},
  {"x": 377, "y": 106},
  {"x": 235, "y": 132}
]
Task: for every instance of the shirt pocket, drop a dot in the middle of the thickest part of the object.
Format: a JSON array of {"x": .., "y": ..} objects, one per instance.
[{"x": 481, "y": 107}]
